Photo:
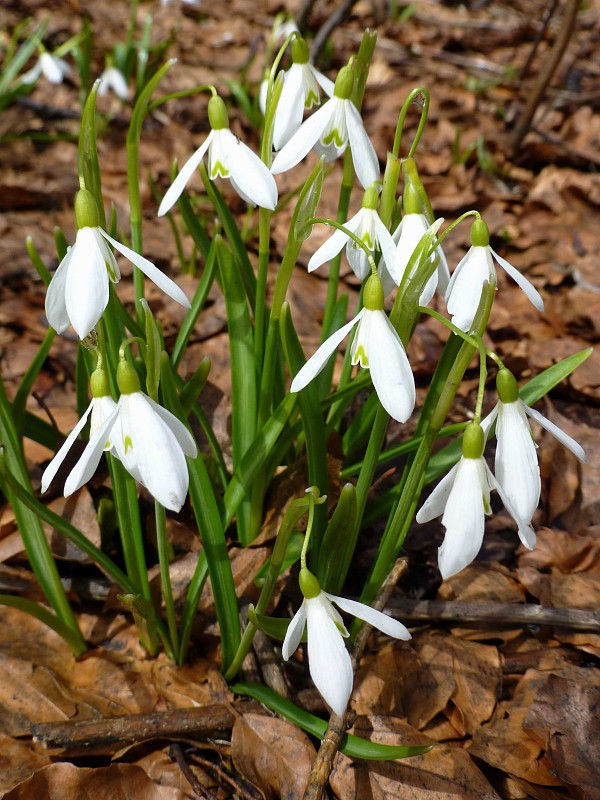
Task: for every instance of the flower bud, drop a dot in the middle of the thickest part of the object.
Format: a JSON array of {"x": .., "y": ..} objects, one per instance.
[
  {"x": 99, "y": 383},
  {"x": 300, "y": 53},
  {"x": 218, "y": 117},
  {"x": 344, "y": 83},
  {"x": 86, "y": 210},
  {"x": 473, "y": 441},
  {"x": 371, "y": 198},
  {"x": 373, "y": 294},
  {"x": 411, "y": 202},
  {"x": 480, "y": 234},
  {"x": 127, "y": 379},
  {"x": 309, "y": 585},
  {"x": 508, "y": 389}
]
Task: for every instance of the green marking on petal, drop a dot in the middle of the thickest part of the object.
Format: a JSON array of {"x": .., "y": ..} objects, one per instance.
[
  {"x": 128, "y": 444},
  {"x": 311, "y": 100},
  {"x": 333, "y": 136},
  {"x": 361, "y": 357},
  {"x": 368, "y": 241},
  {"x": 111, "y": 272},
  {"x": 219, "y": 171},
  {"x": 486, "y": 506}
]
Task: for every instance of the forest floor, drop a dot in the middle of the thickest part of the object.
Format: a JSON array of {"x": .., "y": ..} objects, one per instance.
[{"x": 511, "y": 706}]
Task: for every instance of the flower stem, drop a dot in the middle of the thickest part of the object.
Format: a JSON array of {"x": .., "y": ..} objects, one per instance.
[{"x": 165, "y": 576}]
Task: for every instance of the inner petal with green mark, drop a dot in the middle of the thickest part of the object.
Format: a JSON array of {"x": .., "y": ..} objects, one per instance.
[
  {"x": 218, "y": 170},
  {"x": 127, "y": 443},
  {"x": 360, "y": 357}
]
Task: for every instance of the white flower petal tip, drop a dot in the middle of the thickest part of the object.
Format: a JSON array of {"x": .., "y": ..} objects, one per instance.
[
  {"x": 328, "y": 658},
  {"x": 528, "y": 288},
  {"x": 462, "y": 498}
]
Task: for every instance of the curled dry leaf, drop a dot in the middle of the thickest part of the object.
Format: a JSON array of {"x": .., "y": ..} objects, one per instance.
[{"x": 272, "y": 754}]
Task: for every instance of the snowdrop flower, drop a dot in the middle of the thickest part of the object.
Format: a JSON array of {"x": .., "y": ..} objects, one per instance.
[
  {"x": 517, "y": 469},
  {"x": 228, "y": 157},
  {"x": 54, "y": 69},
  {"x": 113, "y": 79},
  {"x": 335, "y": 125},
  {"x": 377, "y": 347},
  {"x": 150, "y": 442},
  {"x": 370, "y": 229},
  {"x": 300, "y": 91},
  {"x": 463, "y": 498},
  {"x": 102, "y": 411},
  {"x": 408, "y": 234},
  {"x": 79, "y": 290},
  {"x": 328, "y": 659},
  {"x": 475, "y": 269}
]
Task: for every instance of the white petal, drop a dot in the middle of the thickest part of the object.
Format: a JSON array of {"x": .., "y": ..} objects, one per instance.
[
  {"x": 54, "y": 68},
  {"x": 86, "y": 289},
  {"x": 317, "y": 362},
  {"x": 113, "y": 79},
  {"x": 148, "y": 448},
  {"x": 32, "y": 74},
  {"x": 466, "y": 284},
  {"x": 463, "y": 517},
  {"x": 303, "y": 140},
  {"x": 364, "y": 157},
  {"x": 487, "y": 422},
  {"x": 251, "y": 175},
  {"x": 436, "y": 502},
  {"x": 178, "y": 429},
  {"x": 324, "y": 82},
  {"x": 386, "y": 244},
  {"x": 290, "y": 108},
  {"x": 375, "y": 618},
  {"x": 517, "y": 469},
  {"x": 185, "y": 173},
  {"x": 164, "y": 283},
  {"x": 526, "y": 532},
  {"x": 294, "y": 632},
  {"x": 333, "y": 245},
  {"x": 61, "y": 454},
  {"x": 532, "y": 293},
  {"x": 558, "y": 433},
  {"x": 88, "y": 463},
  {"x": 328, "y": 659},
  {"x": 56, "y": 309},
  {"x": 442, "y": 271},
  {"x": 390, "y": 371}
]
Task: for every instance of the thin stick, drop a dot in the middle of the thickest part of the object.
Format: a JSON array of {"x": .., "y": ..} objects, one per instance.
[
  {"x": 326, "y": 29},
  {"x": 323, "y": 764},
  {"x": 176, "y": 753},
  {"x": 537, "y": 91}
]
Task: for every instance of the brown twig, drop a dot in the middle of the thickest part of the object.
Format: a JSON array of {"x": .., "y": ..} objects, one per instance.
[
  {"x": 548, "y": 14},
  {"x": 270, "y": 664},
  {"x": 102, "y": 735},
  {"x": 241, "y": 786},
  {"x": 500, "y": 614},
  {"x": 176, "y": 753},
  {"x": 336, "y": 18},
  {"x": 537, "y": 91},
  {"x": 323, "y": 764}
]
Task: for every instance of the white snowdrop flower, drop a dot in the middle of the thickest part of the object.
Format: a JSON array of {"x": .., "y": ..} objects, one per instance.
[
  {"x": 330, "y": 129},
  {"x": 370, "y": 229},
  {"x": 300, "y": 92},
  {"x": 517, "y": 469},
  {"x": 54, "y": 69},
  {"x": 78, "y": 292},
  {"x": 463, "y": 499},
  {"x": 228, "y": 157},
  {"x": 150, "y": 442},
  {"x": 102, "y": 412},
  {"x": 476, "y": 268},
  {"x": 413, "y": 226},
  {"x": 378, "y": 348},
  {"x": 113, "y": 79},
  {"x": 328, "y": 659}
]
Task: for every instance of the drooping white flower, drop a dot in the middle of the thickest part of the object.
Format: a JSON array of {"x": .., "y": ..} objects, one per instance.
[
  {"x": 517, "y": 469},
  {"x": 463, "y": 499},
  {"x": 476, "y": 268},
  {"x": 102, "y": 412},
  {"x": 300, "y": 92},
  {"x": 79, "y": 290},
  {"x": 328, "y": 659},
  {"x": 413, "y": 226},
  {"x": 370, "y": 229},
  {"x": 113, "y": 79},
  {"x": 228, "y": 157},
  {"x": 150, "y": 442},
  {"x": 378, "y": 348},
  {"x": 330, "y": 130},
  {"x": 54, "y": 69}
]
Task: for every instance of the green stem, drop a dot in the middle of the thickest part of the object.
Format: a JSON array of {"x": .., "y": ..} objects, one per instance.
[
  {"x": 418, "y": 92},
  {"x": 165, "y": 575}
]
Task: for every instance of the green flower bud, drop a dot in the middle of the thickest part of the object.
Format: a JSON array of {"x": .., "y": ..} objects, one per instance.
[
  {"x": 371, "y": 198},
  {"x": 99, "y": 383},
  {"x": 508, "y": 389},
  {"x": 473, "y": 441},
  {"x": 480, "y": 234},
  {"x": 299, "y": 51},
  {"x": 411, "y": 202},
  {"x": 309, "y": 585},
  {"x": 86, "y": 210},
  {"x": 127, "y": 379},
  {"x": 344, "y": 83},
  {"x": 218, "y": 117},
  {"x": 373, "y": 294}
]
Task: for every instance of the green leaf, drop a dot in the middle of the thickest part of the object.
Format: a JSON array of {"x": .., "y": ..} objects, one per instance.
[
  {"x": 334, "y": 558},
  {"x": 275, "y": 627},
  {"x": 88, "y": 164},
  {"x": 291, "y": 556},
  {"x": 350, "y": 745}
]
